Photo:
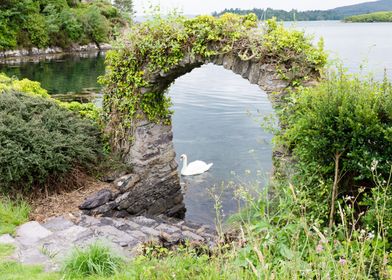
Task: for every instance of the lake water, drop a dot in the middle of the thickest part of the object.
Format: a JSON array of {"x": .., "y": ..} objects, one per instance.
[{"x": 217, "y": 113}]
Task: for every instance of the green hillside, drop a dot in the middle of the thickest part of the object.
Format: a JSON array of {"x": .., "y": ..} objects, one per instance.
[{"x": 372, "y": 17}]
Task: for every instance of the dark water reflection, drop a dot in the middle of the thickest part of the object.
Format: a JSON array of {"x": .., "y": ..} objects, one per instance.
[{"x": 70, "y": 73}]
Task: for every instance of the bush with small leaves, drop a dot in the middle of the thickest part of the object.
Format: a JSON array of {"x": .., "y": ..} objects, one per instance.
[{"x": 41, "y": 143}]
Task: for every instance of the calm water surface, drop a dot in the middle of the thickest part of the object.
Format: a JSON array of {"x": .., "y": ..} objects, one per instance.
[
  {"x": 216, "y": 110},
  {"x": 356, "y": 44}
]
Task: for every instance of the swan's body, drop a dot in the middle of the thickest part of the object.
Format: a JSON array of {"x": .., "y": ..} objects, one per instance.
[{"x": 194, "y": 168}]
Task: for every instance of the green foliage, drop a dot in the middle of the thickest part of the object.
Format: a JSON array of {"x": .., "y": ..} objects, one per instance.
[
  {"x": 284, "y": 241},
  {"x": 296, "y": 57},
  {"x": 95, "y": 25},
  {"x": 35, "y": 26},
  {"x": 41, "y": 143},
  {"x": 185, "y": 263},
  {"x": 11, "y": 270},
  {"x": 95, "y": 260},
  {"x": 7, "y": 35},
  {"x": 346, "y": 117},
  {"x": 85, "y": 110},
  {"x": 378, "y": 203},
  {"x": 372, "y": 17},
  {"x": 12, "y": 214},
  {"x": 6, "y": 250},
  {"x": 44, "y": 23},
  {"x": 29, "y": 87},
  {"x": 156, "y": 47},
  {"x": 124, "y": 5}
]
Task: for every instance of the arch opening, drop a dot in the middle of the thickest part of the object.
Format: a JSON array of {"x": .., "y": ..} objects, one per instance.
[{"x": 214, "y": 120}]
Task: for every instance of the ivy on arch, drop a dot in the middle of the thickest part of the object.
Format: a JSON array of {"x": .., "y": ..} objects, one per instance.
[{"x": 156, "y": 47}]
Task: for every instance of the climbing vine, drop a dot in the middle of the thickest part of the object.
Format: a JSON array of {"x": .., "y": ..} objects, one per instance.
[{"x": 155, "y": 47}]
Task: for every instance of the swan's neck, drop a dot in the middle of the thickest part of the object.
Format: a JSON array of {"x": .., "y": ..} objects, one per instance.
[{"x": 184, "y": 163}]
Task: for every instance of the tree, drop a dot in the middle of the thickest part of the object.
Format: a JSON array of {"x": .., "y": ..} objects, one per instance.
[
  {"x": 125, "y": 6},
  {"x": 95, "y": 25}
]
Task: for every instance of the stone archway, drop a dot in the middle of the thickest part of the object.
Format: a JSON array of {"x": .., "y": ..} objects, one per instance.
[{"x": 162, "y": 50}]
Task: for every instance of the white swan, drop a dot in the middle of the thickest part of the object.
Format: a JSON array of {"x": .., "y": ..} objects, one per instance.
[{"x": 194, "y": 168}]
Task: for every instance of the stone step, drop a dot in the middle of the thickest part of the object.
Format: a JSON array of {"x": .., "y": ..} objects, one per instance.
[{"x": 51, "y": 242}]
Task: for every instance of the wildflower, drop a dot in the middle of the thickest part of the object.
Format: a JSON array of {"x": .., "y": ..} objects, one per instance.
[
  {"x": 348, "y": 198},
  {"x": 342, "y": 261},
  {"x": 374, "y": 165},
  {"x": 319, "y": 248},
  {"x": 370, "y": 235}
]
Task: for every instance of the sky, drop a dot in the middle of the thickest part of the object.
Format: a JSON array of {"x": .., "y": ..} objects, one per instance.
[{"x": 194, "y": 7}]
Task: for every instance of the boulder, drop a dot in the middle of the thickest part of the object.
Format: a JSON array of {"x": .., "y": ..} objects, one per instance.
[
  {"x": 31, "y": 233},
  {"x": 126, "y": 182},
  {"x": 7, "y": 239},
  {"x": 97, "y": 199}
]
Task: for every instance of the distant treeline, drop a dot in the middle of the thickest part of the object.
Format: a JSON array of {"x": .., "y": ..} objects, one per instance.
[
  {"x": 282, "y": 15},
  {"x": 339, "y": 13},
  {"x": 373, "y": 17},
  {"x": 45, "y": 23}
]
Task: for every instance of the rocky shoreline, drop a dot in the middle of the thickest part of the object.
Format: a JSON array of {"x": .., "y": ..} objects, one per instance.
[{"x": 21, "y": 55}]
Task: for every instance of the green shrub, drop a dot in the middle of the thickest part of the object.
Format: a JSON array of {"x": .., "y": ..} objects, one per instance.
[
  {"x": 339, "y": 128},
  {"x": 41, "y": 143},
  {"x": 8, "y": 84},
  {"x": 85, "y": 110},
  {"x": 12, "y": 214},
  {"x": 96, "y": 260}
]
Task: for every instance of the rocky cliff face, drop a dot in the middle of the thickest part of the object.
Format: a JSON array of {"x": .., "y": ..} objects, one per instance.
[{"x": 154, "y": 186}]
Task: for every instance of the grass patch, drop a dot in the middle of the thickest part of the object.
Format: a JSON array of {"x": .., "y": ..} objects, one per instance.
[
  {"x": 186, "y": 264},
  {"x": 95, "y": 260},
  {"x": 11, "y": 270},
  {"x": 12, "y": 214},
  {"x": 6, "y": 250}
]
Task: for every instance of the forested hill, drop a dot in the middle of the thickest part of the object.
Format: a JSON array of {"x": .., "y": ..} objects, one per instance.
[
  {"x": 57, "y": 23},
  {"x": 332, "y": 14}
]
